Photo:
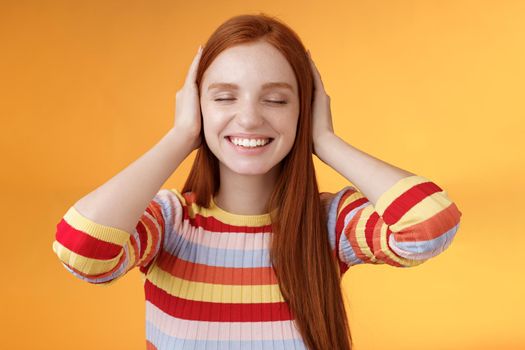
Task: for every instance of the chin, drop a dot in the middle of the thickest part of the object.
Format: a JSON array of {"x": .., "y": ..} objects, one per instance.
[{"x": 249, "y": 169}]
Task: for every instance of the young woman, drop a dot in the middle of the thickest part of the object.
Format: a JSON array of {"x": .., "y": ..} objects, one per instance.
[{"x": 249, "y": 254}]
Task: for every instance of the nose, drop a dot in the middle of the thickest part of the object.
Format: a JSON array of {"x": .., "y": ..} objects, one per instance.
[{"x": 249, "y": 116}]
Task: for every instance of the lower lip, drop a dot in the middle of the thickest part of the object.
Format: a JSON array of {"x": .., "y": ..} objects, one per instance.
[{"x": 249, "y": 151}]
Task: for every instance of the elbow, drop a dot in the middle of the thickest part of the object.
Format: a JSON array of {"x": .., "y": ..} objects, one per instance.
[
  {"x": 423, "y": 249},
  {"x": 92, "y": 270},
  {"x": 427, "y": 238}
]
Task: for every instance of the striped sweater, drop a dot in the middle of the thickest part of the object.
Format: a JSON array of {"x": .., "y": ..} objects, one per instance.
[{"x": 208, "y": 280}]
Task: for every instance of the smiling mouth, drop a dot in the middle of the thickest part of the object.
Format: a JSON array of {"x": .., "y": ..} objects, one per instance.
[
  {"x": 227, "y": 138},
  {"x": 269, "y": 138}
]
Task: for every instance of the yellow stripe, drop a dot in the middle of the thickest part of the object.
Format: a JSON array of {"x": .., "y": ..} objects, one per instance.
[
  {"x": 222, "y": 215},
  {"x": 217, "y": 293},
  {"x": 83, "y": 264},
  {"x": 98, "y": 231},
  {"x": 360, "y": 233},
  {"x": 396, "y": 190}
]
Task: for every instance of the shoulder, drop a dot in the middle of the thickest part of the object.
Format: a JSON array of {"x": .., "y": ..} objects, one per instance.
[
  {"x": 172, "y": 195},
  {"x": 328, "y": 197},
  {"x": 188, "y": 202}
]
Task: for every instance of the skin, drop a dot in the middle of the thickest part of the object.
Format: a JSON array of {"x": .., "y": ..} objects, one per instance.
[{"x": 247, "y": 180}]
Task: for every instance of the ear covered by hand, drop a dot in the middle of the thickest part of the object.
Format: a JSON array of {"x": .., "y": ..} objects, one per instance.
[{"x": 321, "y": 113}]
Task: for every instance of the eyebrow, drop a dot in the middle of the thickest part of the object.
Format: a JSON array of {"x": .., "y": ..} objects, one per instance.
[{"x": 274, "y": 84}]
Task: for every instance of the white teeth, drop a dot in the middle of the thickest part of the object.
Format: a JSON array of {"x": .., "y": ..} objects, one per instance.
[{"x": 249, "y": 142}]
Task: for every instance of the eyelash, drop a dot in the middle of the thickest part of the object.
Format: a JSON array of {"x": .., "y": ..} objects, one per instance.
[{"x": 229, "y": 99}]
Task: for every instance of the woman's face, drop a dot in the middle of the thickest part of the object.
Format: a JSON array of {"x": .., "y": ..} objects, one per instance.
[{"x": 249, "y": 106}]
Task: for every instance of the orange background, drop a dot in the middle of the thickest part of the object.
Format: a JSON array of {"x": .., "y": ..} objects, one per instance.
[{"x": 433, "y": 87}]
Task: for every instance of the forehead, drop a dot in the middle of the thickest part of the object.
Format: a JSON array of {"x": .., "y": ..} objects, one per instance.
[{"x": 249, "y": 65}]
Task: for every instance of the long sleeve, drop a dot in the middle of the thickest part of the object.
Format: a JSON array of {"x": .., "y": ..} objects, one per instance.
[
  {"x": 101, "y": 254},
  {"x": 412, "y": 221}
]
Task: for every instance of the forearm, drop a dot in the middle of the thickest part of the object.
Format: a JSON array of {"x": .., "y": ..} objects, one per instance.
[
  {"x": 370, "y": 175},
  {"x": 122, "y": 200}
]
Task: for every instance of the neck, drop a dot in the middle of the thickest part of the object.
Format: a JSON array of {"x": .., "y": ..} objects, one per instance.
[{"x": 245, "y": 194}]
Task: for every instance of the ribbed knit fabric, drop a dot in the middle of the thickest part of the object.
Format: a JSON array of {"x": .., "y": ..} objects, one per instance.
[{"x": 208, "y": 279}]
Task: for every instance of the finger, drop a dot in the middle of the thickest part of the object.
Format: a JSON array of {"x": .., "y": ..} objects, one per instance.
[
  {"x": 192, "y": 72},
  {"x": 194, "y": 64},
  {"x": 317, "y": 75}
]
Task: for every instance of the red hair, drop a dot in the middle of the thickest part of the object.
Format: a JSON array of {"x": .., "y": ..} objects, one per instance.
[{"x": 300, "y": 252}]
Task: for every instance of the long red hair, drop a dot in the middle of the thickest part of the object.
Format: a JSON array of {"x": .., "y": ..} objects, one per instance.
[{"x": 300, "y": 252}]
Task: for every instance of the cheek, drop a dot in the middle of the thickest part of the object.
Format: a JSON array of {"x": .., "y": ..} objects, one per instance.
[
  {"x": 213, "y": 125},
  {"x": 288, "y": 125}
]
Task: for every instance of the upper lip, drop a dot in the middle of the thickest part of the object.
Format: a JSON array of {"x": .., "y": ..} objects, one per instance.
[{"x": 250, "y": 136}]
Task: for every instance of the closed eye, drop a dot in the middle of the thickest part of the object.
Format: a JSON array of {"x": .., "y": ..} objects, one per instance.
[{"x": 230, "y": 99}]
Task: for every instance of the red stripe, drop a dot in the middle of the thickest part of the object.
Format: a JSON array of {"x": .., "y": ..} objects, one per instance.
[
  {"x": 407, "y": 200},
  {"x": 370, "y": 227},
  {"x": 212, "y": 224},
  {"x": 81, "y": 243},
  {"x": 196, "y": 272},
  {"x": 215, "y": 312},
  {"x": 143, "y": 236},
  {"x": 432, "y": 227}
]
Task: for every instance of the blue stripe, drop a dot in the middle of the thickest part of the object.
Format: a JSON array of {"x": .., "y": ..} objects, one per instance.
[
  {"x": 168, "y": 200},
  {"x": 332, "y": 215},
  {"x": 346, "y": 253},
  {"x": 197, "y": 253}
]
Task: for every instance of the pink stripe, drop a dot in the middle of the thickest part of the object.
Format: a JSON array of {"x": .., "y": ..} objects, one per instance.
[
  {"x": 241, "y": 241},
  {"x": 206, "y": 330}
]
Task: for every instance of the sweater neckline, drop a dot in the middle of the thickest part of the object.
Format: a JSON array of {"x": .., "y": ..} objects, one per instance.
[{"x": 239, "y": 219}]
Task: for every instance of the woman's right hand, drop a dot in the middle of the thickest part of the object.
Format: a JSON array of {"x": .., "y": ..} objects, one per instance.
[{"x": 187, "y": 106}]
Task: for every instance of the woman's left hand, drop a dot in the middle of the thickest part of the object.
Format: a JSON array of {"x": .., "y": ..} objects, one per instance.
[{"x": 321, "y": 113}]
